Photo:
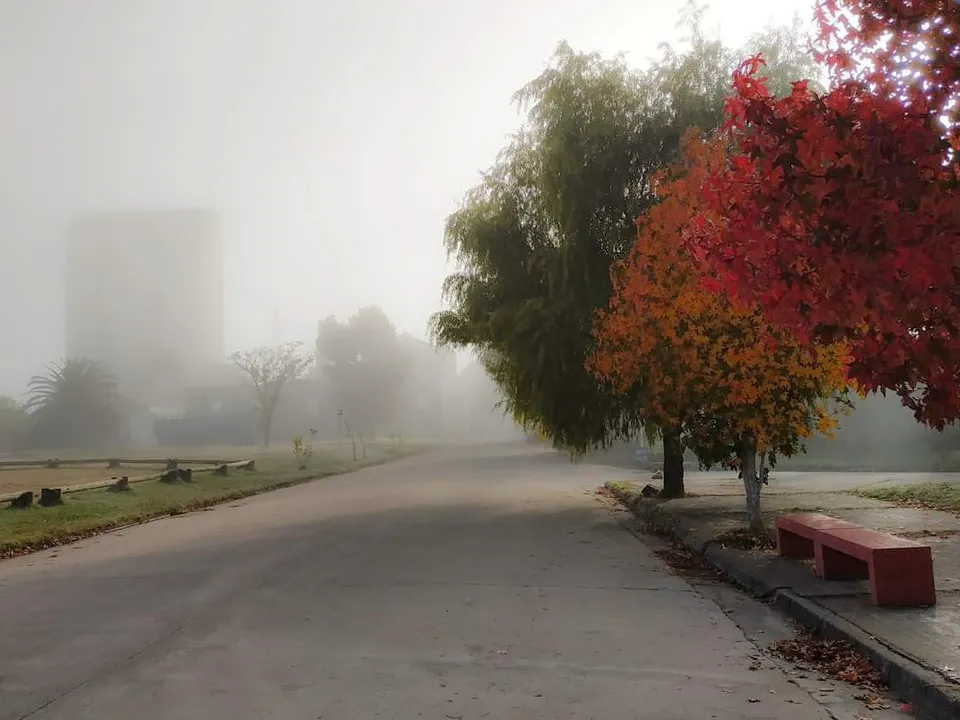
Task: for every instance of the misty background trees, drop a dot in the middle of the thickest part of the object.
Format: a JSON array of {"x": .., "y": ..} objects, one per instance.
[
  {"x": 363, "y": 380},
  {"x": 363, "y": 365}
]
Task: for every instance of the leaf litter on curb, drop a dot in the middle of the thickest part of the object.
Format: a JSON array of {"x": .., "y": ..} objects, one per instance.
[
  {"x": 687, "y": 563},
  {"x": 745, "y": 539},
  {"x": 949, "y": 673},
  {"x": 837, "y": 659}
]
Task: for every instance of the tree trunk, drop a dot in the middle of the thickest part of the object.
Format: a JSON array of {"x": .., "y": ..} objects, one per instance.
[
  {"x": 672, "y": 465},
  {"x": 751, "y": 483},
  {"x": 267, "y": 422}
]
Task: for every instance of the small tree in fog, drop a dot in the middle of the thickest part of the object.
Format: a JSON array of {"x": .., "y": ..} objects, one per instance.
[{"x": 270, "y": 368}]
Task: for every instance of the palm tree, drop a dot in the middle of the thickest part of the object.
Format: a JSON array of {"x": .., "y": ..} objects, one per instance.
[{"x": 75, "y": 403}]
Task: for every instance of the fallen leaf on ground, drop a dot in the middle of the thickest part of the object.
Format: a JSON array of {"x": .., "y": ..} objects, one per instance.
[
  {"x": 745, "y": 539},
  {"x": 950, "y": 673},
  {"x": 872, "y": 701},
  {"x": 834, "y": 658},
  {"x": 686, "y": 562}
]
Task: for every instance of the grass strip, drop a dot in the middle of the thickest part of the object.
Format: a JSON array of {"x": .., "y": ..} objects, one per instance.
[{"x": 92, "y": 512}]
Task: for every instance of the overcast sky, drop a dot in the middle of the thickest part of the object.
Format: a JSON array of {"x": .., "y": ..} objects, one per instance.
[{"x": 333, "y": 138}]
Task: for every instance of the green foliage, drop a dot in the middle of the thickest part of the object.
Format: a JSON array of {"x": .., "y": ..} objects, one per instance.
[
  {"x": 302, "y": 451},
  {"x": 689, "y": 86},
  {"x": 535, "y": 239},
  {"x": 534, "y": 243},
  {"x": 365, "y": 365},
  {"x": 787, "y": 51},
  {"x": 74, "y": 404}
]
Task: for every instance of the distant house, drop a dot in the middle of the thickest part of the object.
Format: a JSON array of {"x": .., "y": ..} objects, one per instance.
[
  {"x": 136, "y": 423},
  {"x": 216, "y": 406},
  {"x": 218, "y": 388},
  {"x": 220, "y": 407}
]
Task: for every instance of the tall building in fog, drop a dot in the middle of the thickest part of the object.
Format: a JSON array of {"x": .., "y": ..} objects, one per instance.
[{"x": 145, "y": 297}]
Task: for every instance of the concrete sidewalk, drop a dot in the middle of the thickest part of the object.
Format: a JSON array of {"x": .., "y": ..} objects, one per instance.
[{"x": 917, "y": 649}]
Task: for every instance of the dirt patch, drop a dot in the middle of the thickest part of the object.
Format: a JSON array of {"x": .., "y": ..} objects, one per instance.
[
  {"x": 746, "y": 539},
  {"x": 836, "y": 659}
]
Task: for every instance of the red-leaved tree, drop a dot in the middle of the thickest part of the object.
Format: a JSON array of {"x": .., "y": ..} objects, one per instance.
[
  {"x": 842, "y": 222},
  {"x": 906, "y": 48}
]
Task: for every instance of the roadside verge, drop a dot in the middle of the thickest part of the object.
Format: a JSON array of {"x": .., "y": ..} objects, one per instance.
[{"x": 93, "y": 512}]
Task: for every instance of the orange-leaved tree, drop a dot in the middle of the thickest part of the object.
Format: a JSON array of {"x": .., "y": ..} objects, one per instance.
[{"x": 739, "y": 390}]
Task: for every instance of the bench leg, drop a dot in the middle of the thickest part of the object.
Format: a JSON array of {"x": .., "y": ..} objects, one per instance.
[
  {"x": 903, "y": 578},
  {"x": 793, "y": 546},
  {"x": 832, "y": 565}
]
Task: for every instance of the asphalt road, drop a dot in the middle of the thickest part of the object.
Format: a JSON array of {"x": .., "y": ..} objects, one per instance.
[{"x": 484, "y": 583}]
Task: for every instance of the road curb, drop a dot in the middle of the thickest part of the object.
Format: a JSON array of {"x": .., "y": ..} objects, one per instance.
[{"x": 926, "y": 691}]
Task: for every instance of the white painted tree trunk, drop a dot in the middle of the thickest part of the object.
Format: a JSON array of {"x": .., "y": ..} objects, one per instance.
[{"x": 751, "y": 483}]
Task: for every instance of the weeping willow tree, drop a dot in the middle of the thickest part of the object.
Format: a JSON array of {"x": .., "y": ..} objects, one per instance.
[{"x": 535, "y": 239}]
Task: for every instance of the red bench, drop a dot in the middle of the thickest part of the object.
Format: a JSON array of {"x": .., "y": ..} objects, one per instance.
[{"x": 900, "y": 570}]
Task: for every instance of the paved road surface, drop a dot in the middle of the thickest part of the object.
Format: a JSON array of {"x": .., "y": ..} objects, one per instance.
[{"x": 460, "y": 584}]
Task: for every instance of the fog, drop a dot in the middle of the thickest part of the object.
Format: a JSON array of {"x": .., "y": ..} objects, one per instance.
[
  {"x": 331, "y": 139},
  {"x": 877, "y": 434}
]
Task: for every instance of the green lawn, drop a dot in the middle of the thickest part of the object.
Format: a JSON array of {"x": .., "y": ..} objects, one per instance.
[
  {"x": 905, "y": 462},
  {"x": 93, "y": 511},
  {"x": 935, "y": 496}
]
